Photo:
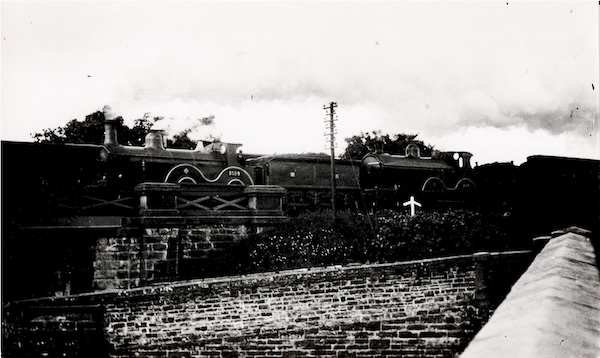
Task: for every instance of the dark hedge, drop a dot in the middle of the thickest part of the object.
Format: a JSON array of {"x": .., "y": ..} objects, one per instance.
[{"x": 316, "y": 239}]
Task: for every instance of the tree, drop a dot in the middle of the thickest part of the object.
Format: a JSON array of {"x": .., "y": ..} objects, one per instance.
[
  {"x": 364, "y": 143},
  {"x": 182, "y": 141},
  {"x": 141, "y": 127},
  {"x": 91, "y": 130},
  {"x": 88, "y": 131}
]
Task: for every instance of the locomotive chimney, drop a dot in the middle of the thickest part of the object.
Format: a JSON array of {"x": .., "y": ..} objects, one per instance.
[
  {"x": 110, "y": 132},
  {"x": 154, "y": 140},
  {"x": 378, "y": 145}
]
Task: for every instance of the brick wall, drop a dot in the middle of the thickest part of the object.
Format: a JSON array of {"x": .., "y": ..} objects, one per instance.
[
  {"x": 411, "y": 309},
  {"x": 54, "y": 331}
]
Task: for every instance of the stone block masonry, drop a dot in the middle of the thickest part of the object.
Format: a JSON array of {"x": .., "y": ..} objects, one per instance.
[
  {"x": 155, "y": 254},
  {"x": 553, "y": 310},
  {"x": 410, "y": 309}
]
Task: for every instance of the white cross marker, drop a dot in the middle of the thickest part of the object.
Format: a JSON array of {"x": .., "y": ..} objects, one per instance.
[{"x": 412, "y": 204}]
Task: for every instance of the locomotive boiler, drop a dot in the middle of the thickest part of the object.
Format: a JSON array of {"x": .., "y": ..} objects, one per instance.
[{"x": 216, "y": 163}]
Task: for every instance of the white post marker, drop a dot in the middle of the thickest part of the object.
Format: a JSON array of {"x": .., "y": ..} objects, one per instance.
[{"x": 412, "y": 204}]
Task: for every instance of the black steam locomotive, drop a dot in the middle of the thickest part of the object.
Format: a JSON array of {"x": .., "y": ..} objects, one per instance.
[
  {"x": 85, "y": 179},
  {"x": 443, "y": 178},
  {"x": 216, "y": 163},
  {"x": 379, "y": 180}
]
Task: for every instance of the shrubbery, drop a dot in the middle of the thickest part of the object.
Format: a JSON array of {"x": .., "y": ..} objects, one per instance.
[
  {"x": 312, "y": 239},
  {"x": 316, "y": 239}
]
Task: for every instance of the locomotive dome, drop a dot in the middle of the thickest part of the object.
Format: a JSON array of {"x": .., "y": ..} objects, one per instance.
[
  {"x": 154, "y": 140},
  {"x": 413, "y": 151}
]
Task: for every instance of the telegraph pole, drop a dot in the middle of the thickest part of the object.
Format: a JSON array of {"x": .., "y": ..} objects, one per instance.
[{"x": 330, "y": 124}]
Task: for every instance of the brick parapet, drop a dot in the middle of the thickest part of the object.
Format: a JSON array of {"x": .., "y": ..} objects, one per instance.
[{"x": 413, "y": 308}]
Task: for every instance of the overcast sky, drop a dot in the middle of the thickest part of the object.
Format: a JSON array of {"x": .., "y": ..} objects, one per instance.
[{"x": 502, "y": 80}]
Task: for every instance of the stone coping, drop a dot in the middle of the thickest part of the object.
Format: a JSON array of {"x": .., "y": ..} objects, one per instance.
[{"x": 553, "y": 310}]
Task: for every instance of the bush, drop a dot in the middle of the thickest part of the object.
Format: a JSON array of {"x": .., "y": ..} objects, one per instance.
[
  {"x": 436, "y": 233},
  {"x": 316, "y": 239},
  {"x": 311, "y": 239}
]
